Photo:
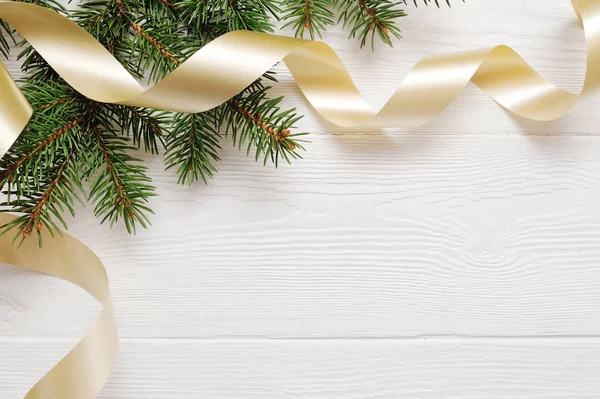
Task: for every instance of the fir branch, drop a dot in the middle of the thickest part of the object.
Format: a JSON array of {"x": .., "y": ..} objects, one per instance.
[
  {"x": 154, "y": 43},
  {"x": 9, "y": 172},
  {"x": 144, "y": 126},
  {"x": 195, "y": 163},
  {"x": 71, "y": 139},
  {"x": 193, "y": 146},
  {"x": 40, "y": 208},
  {"x": 54, "y": 193},
  {"x": 370, "y": 18},
  {"x": 73, "y": 121},
  {"x": 53, "y": 129},
  {"x": 122, "y": 188},
  {"x": 253, "y": 120},
  {"x": 55, "y": 103},
  {"x": 6, "y": 38},
  {"x": 118, "y": 26},
  {"x": 308, "y": 15},
  {"x": 366, "y": 19}
]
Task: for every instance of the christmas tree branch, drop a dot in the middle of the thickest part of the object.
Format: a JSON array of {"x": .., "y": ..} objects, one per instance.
[
  {"x": 72, "y": 142},
  {"x": 308, "y": 15},
  {"x": 121, "y": 189},
  {"x": 193, "y": 146},
  {"x": 366, "y": 19},
  {"x": 150, "y": 38}
]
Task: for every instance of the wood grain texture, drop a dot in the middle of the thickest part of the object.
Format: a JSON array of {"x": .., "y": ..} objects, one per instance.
[
  {"x": 457, "y": 260},
  {"x": 411, "y": 369},
  {"x": 405, "y": 237}
]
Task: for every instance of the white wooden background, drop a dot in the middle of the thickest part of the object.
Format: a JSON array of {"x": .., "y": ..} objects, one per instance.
[{"x": 458, "y": 260}]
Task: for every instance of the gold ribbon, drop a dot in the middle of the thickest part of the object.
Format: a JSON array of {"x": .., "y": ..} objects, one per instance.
[
  {"x": 212, "y": 76},
  {"x": 83, "y": 372}
]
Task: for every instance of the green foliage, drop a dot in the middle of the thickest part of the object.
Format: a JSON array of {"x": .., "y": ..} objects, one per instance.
[
  {"x": 255, "y": 121},
  {"x": 78, "y": 150},
  {"x": 144, "y": 126},
  {"x": 40, "y": 173},
  {"x": 43, "y": 174},
  {"x": 193, "y": 146},
  {"x": 73, "y": 143},
  {"x": 308, "y": 15},
  {"x": 370, "y": 18},
  {"x": 427, "y": 2},
  {"x": 365, "y": 19},
  {"x": 5, "y": 38},
  {"x": 120, "y": 187}
]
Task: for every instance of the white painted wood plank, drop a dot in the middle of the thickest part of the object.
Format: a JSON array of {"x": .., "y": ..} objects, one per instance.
[
  {"x": 368, "y": 237},
  {"x": 308, "y": 369},
  {"x": 471, "y": 226}
]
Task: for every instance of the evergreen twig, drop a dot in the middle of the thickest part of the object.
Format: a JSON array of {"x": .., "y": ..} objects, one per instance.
[
  {"x": 72, "y": 140},
  {"x": 73, "y": 143},
  {"x": 366, "y": 19}
]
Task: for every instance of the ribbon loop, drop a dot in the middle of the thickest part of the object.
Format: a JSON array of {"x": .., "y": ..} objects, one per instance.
[
  {"x": 82, "y": 373},
  {"x": 231, "y": 62},
  {"x": 209, "y": 78}
]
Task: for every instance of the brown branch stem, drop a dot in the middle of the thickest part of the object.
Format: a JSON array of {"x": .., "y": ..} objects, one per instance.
[
  {"x": 144, "y": 120},
  {"x": 33, "y": 217},
  {"x": 170, "y": 57},
  {"x": 39, "y": 147},
  {"x": 122, "y": 197},
  {"x": 279, "y": 135},
  {"x": 375, "y": 19},
  {"x": 307, "y": 18}
]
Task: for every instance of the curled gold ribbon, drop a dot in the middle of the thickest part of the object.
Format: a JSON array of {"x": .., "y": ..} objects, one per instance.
[
  {"x": 231, "y": 62},
  {"x": 83, "y": 372},
  {"x": 212, "y": 76}
]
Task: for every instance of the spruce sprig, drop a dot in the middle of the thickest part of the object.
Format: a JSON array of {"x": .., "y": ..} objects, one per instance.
[
  {"x": 120, "y": 187},
  {"x": 78, "y": 150},
  {"x": 370, "y": 18},
  {"x": 312, "y": 16},
  {"x": 193, "y": 146},
  {"x": 365, "y": 19},
  {"x": 72, "y": 142},
  {"x": 6, "y": 39}
]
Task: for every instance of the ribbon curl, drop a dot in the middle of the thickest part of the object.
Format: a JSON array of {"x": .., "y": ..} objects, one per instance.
[
  {"x": 82, "y": 373},
  {"x": 233, "y": 61},
  {"x": 212, "y": 76}
]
